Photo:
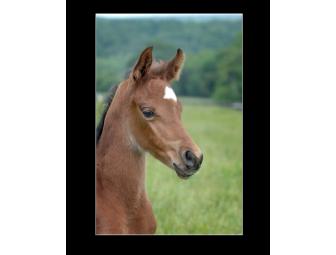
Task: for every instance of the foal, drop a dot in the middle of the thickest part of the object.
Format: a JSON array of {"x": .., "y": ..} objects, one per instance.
[{"x": 144, "y": 116}]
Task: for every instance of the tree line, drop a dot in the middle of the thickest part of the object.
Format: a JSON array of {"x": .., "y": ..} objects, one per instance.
[{"x": 213, "y": 66}]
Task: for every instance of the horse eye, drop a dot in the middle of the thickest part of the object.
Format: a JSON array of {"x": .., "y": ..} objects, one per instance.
[{"x": 148, "y": 114}]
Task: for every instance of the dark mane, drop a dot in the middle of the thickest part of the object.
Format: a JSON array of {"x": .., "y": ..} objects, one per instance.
[{"x": 107, "y": 102}]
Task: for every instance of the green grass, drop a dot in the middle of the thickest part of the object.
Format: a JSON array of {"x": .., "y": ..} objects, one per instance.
[{"x": 210, "y": 202}]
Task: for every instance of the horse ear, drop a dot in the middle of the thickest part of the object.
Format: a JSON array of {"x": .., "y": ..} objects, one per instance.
[
  {"x": 143, "y": 64},
  {"x": 174, "y": 66}
]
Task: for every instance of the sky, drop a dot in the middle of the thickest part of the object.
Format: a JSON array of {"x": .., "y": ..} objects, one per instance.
[{"x": 172, "y": 16}]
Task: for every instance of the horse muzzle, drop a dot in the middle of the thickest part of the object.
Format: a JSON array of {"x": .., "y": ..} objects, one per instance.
[{"x": 191, "y": 164}]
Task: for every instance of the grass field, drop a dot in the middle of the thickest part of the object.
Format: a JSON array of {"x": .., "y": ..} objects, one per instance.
[{"x": 210, "y": 202}]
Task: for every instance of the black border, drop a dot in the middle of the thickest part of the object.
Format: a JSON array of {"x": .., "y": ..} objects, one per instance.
[{"x": 81, "y": 121}]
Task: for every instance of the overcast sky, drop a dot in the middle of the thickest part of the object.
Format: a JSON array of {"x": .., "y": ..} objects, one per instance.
[{"x": 207, "y": 16}]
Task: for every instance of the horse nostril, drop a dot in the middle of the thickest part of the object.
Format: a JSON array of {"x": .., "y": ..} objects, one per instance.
[
  {"x": 189, "y": 159},
  {"x": 189, "y": 155}
]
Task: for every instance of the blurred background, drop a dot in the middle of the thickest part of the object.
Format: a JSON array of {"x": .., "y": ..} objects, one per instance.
[{"x": 210, "y": 88}]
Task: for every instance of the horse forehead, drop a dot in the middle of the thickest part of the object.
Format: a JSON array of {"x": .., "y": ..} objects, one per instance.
[
  {"x": 157, "y": 88},
  {"x": 160, "y": 89}
]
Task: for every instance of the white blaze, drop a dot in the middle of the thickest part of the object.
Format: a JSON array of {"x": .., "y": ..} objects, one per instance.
[{"x": 169, "y": 94}]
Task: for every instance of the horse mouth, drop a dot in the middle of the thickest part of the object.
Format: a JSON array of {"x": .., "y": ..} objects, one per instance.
[{"x": 180, "y": 173}]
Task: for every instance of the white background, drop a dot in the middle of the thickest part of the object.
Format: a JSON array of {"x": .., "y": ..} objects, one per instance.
[
  {"x": 303, "y": 127},
  {"x": 33, "y": 137},
  {"x": 33, "y": 128}
]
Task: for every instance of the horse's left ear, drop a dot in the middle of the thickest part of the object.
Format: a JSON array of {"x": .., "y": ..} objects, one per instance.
[
  {"x": 174, "y": 66},
  {"x": 143, "y": 64}
]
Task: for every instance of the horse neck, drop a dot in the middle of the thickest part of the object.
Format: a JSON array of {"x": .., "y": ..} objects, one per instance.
[{"x": 120, "y": 163}]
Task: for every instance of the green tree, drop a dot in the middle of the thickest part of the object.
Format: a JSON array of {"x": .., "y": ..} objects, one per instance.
[{"x": 228, "y": 85}]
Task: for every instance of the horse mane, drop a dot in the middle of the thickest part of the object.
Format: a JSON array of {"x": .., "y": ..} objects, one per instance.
[{"x": 107, "y": 102}]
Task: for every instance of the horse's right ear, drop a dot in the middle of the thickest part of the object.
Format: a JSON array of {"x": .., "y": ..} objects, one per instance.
[{"x": 143, "y": 64}]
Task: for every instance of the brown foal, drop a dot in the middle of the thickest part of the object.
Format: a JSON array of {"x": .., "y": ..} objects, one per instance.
[{"x": 144, "y": 116}]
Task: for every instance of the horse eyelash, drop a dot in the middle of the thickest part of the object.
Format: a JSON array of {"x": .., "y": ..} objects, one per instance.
[{"x": 146, "y": 107}]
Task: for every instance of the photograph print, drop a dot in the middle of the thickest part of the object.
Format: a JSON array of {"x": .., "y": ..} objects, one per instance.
[{"x": 169, "y": 124}]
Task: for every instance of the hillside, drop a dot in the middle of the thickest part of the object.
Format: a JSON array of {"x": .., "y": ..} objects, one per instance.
[{"x": 210, "y": 46}]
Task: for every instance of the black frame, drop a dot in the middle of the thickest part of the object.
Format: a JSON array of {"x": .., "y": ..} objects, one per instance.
[{"x": 81, "y": 128}]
